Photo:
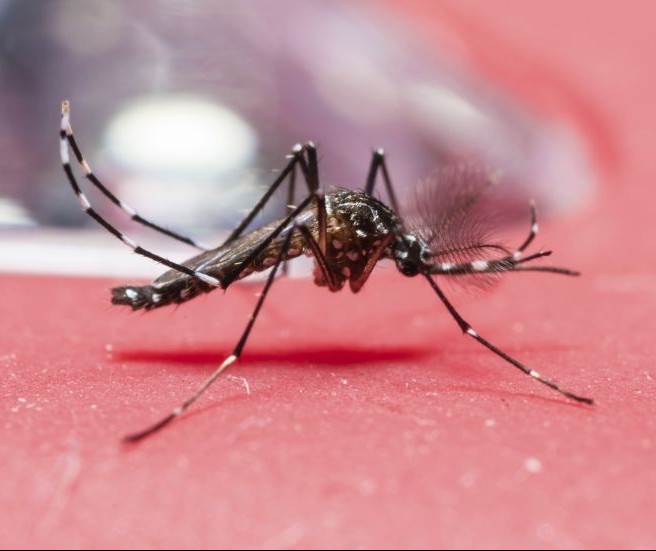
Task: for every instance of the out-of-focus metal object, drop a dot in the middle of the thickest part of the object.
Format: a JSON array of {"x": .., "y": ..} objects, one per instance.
[{"x": 188, "y": 106}]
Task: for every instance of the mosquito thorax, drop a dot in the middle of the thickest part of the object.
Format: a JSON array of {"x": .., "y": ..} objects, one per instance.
[{"x": 410, "y": 254}]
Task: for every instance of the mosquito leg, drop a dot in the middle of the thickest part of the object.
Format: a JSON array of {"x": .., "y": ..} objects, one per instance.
[
  {"x": 506, "y": 264},
  {"x": 232, "y": 358},
  {"x": 378, "y": 163},
  {"x": 310, "y": 172},
  {"x": 291, "y": 190},
  {"x": 466, "y": 328},
  {"x": 86, "y": 206},
  {"x": 295, "y": 157},
  {"x": 311, "y": 175},
  {"x": 231, "y": 275},
  {"x": 531, "y": 236},
  {"x": 67, "y": 133},
  {"x": 320, "y": 258}
]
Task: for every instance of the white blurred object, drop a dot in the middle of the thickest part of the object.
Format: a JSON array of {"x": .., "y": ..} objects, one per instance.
[
  {"x": 224, "y": 89},
  {"x": 173, "y": 136},
  {"x": 13, "y": 215}
]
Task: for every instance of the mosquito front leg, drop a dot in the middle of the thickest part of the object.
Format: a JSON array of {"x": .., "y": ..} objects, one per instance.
[{"x": 469, "y": 330}]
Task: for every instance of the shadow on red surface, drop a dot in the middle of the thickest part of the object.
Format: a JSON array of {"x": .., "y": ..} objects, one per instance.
[{"x": 318, "y": 357}]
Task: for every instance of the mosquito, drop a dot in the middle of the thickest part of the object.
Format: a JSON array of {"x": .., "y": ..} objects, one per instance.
[{"x": 345, "y": 232}]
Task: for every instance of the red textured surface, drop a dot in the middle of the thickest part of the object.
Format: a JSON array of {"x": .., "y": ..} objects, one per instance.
[{"x": 370, "y": 421}]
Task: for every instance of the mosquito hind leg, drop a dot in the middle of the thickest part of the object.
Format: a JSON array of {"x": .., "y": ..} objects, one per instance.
[
  {"x": 88, "y": 209},
  {"x": 66, "y": 133}
]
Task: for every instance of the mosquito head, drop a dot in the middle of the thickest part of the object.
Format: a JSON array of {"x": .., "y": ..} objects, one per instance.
[{"x": 411, "y": 254}]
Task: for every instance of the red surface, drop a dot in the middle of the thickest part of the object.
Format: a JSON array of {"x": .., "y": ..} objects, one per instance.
[{"x": 370, "y": 421}]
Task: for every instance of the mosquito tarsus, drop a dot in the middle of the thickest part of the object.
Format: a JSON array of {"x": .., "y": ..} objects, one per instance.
[{"x": 345, "y": 232}]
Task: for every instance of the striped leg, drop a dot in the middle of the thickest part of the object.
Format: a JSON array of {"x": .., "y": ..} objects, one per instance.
[
  {"x": 89, "y": 175},
  {"x": 86, "y": 206},
  {"x": 66, "y": 136},
  {"x": 531, "y": 236},
  {"x": 469, "y": 330},
  {"x": 237, "y": 351},
  {"x": 508, "y": 264},
  {"x": 226, "y": 363}
]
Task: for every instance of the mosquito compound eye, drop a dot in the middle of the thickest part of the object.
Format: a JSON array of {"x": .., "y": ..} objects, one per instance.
[
  {"x": 409, "y": 255},
  {"x": 407, "y": 264},
  {"x": 410, "y": 269}
]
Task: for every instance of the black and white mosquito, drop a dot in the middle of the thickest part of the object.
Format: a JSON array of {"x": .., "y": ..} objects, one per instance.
[{"x": 346, "y": 233}]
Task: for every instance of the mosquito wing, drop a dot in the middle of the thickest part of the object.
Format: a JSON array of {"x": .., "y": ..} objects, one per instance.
[
  {"x": 230, "y": 262},
  {"x": 456, "y": 217},
  {"x": 227, "y": 263}
]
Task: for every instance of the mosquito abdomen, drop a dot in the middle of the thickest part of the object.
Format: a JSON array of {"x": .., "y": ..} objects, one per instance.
[{"x": 148, "y": 297}]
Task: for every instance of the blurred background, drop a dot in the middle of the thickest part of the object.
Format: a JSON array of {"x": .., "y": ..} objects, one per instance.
[{"x": 186, "y": 109}]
